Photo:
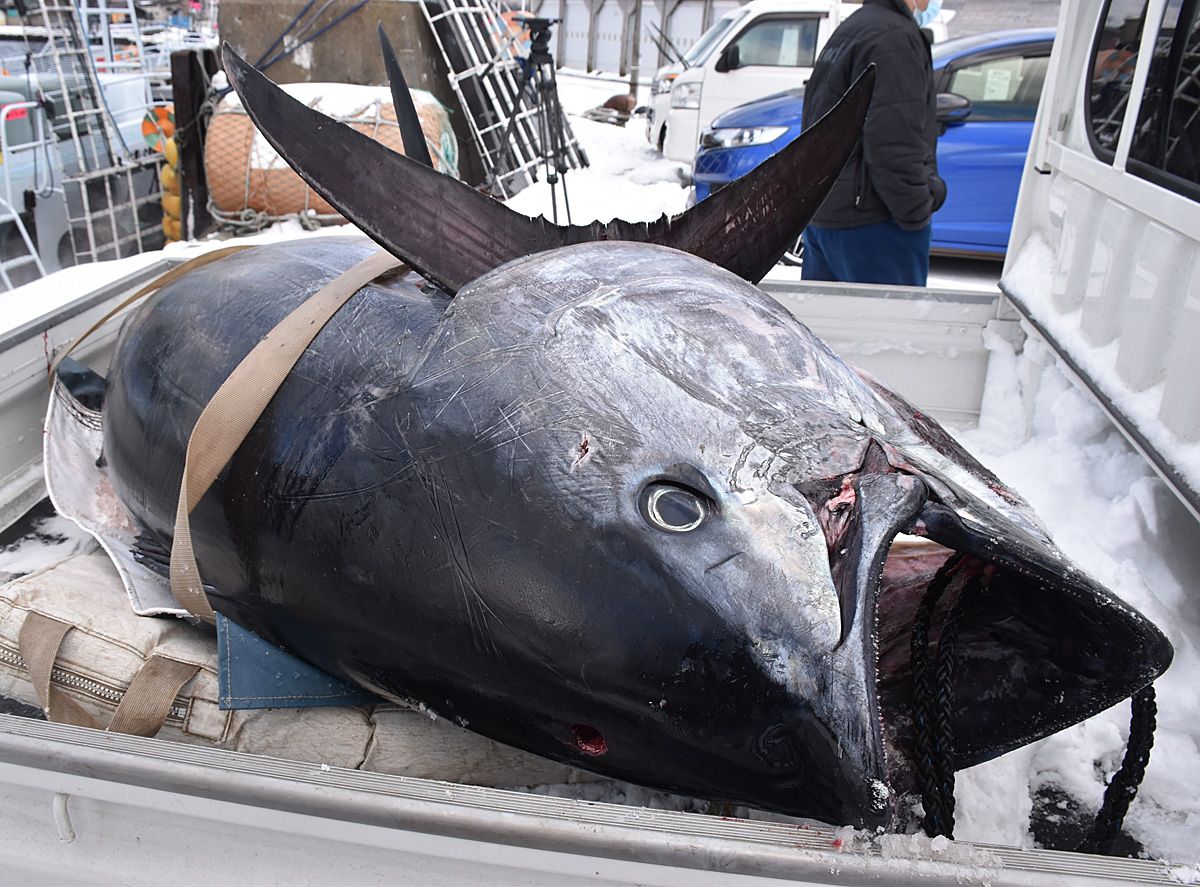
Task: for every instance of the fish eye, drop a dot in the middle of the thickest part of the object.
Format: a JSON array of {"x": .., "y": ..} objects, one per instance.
[{"x": 673, "y": 508}]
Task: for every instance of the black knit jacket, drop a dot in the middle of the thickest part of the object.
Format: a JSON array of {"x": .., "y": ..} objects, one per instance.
[{"x": 893, "y": 171}]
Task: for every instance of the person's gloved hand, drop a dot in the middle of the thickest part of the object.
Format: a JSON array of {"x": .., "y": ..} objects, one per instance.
[{"x": 937, "y": 189}]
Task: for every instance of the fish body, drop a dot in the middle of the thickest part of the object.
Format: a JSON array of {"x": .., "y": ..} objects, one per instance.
[{"x": 611, "y": 504}]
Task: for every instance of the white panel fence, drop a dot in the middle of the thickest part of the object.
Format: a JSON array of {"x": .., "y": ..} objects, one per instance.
[{"x": 597, "y": 35}]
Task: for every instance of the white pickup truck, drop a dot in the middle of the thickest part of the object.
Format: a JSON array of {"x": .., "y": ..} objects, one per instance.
[{"x": 1103, "y": 271}]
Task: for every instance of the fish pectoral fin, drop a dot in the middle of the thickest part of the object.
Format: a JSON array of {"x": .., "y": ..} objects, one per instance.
[
  {"x": 84, "y": 384},
  {"x": 152, "y": 554}
]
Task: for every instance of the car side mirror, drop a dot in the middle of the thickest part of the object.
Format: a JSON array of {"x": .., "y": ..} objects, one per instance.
[
  {"x": 730, "y": 59},
  {"x": 952, "y": 108}
]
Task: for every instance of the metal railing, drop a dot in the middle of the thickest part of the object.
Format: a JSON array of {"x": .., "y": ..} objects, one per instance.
[{"x": 9, "y": 214}]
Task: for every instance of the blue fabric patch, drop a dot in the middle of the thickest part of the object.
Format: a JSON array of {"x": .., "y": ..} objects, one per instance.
[{"x": 253, "y": 673}]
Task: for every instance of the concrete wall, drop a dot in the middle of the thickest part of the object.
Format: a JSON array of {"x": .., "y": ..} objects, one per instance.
[{"x": 349, "y": 52}]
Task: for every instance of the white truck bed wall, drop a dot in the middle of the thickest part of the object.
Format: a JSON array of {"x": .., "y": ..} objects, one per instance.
[
  {"x": 25, "y": 354},
  {"x": 926, "y": 344},
  {"x": 82, "y": 806},
  {"x": 1105, "y": 265}
]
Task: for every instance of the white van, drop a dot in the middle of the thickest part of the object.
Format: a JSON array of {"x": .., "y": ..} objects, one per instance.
[{"x": 763, "y": 47}]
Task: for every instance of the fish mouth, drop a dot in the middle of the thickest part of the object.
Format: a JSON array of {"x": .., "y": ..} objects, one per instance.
[{"x": 1040, "y": 645}]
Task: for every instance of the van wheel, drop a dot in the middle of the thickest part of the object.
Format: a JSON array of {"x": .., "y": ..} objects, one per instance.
[
  {"x": 795, "y": 255},
  {"x": 662, "y": 138}
]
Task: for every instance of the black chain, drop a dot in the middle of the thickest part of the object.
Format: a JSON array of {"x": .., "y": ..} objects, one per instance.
[{"x": 1124, "y": 786}]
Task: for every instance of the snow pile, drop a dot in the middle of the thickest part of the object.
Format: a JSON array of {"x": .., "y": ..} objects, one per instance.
[
  {"x": 627, "y": 178},
  {"x": 1110, "y": 514},
  {"x": 1032, "y": 275},
  {"x": 46, "y": 540}
]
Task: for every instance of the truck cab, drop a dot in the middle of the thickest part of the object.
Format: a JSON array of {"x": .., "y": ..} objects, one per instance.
[{"x": 1104, "y": 257}]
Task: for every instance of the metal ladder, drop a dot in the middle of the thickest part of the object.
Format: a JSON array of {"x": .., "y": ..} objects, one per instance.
[
  {"x": 9, "y": 215},
  {"x": 111, "y": 186},
  {"x": 475, "y": 40},
  {"x": 46, "y": 184}
]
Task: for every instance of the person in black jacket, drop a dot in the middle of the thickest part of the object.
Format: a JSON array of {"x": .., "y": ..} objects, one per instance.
[{"x": 874, "y": 225}]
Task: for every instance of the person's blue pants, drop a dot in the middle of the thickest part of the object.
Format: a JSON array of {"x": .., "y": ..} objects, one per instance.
[{"x": 879, "y": 253}]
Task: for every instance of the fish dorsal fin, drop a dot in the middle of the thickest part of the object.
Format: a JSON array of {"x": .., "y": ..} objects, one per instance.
[
  {"x": 407, "y": 119},
  {"x": 453, "y": 234}
]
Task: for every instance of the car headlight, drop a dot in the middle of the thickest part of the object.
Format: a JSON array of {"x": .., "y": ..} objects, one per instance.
[
  {"x": 662, "y": 84},
  {"x": 735, "y": 137},
  {"x": 685, "y": 95}
]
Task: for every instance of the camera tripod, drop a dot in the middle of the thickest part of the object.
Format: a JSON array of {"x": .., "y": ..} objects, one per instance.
[{"x": 538, "y": 75}]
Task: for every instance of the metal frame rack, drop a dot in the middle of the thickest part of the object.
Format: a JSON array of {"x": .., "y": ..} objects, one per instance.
[
  {"x": 111, "y": 187},
  {"x": 478, "y": 45}
]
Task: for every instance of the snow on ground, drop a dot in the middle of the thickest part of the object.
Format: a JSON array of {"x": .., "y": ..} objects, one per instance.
[
  {"x": 1043, "y": 436},
  {"x": 627, "y": 178}
]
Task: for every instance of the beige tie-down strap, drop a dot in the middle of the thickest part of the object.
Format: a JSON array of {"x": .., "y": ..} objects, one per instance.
[
  {"x": 238, "y": 404},
  {"x": 144, "y": 706}
]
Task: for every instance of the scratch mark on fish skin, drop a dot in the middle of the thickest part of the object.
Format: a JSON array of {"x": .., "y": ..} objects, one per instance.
[
  {"x": 586, "y": 684},
  {"x": 451, "y": 533},
  {"x": 458, "y": 345},
  {"x": 471, "y": 416},
  {"x": 492, "y": 357},
  {"x": 510, "y": 440},
  {"x": 332, "y": 495},
  {"x": 449, "y": 400},
  {"x": 487, "y": 433},
  {"x": 722, "y": 562},
  {"x": 517, "y": 432},
  {"x": 511, "y": 409}
]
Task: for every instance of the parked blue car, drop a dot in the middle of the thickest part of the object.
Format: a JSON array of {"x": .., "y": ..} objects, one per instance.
[{"x": 988, "y": 85}]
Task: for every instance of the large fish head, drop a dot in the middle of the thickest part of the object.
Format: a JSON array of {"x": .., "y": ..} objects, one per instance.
[{"x": 696, "y": 500}]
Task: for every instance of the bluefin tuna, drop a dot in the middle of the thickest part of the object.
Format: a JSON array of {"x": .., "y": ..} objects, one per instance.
[{"x": 592, "y": 493}]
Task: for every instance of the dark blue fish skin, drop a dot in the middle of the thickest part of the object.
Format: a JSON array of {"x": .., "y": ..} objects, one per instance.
[{"x": 441, "y": 504}]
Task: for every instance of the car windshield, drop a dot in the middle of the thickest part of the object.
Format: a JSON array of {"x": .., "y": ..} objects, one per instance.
[{"x": 703, "y": 47}]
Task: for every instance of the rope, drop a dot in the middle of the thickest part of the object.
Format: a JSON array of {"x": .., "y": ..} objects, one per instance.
[
  {"x": 1124, "y": 786},
  {"x": 934, "y": 761},
  {"x": 333, "y": 24},
  {"x": 935, "y": 771},
  {"x": 282, "y": 34}
]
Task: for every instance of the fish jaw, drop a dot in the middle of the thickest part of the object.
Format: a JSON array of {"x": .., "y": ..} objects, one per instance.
[{"x": 861, "y": 515}]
